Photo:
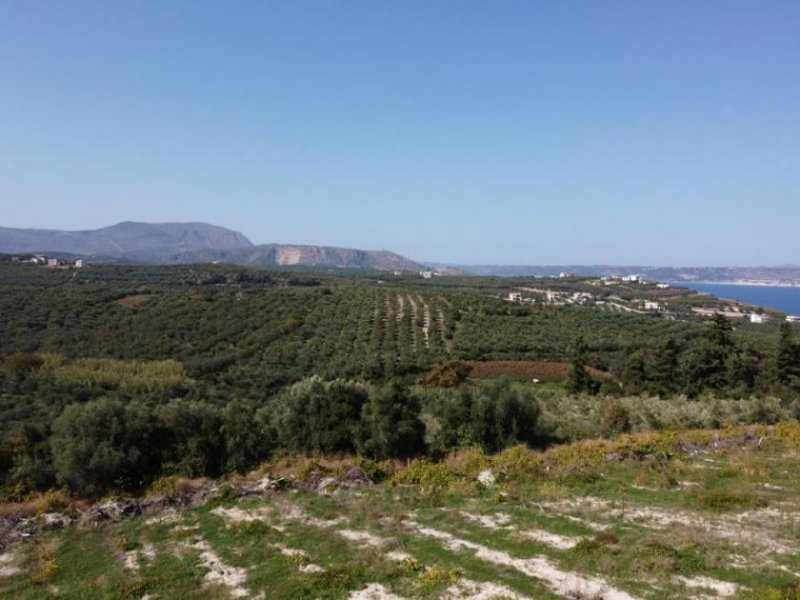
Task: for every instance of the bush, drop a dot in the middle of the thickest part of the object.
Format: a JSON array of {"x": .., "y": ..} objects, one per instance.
[{"x": 615, "y": 419}]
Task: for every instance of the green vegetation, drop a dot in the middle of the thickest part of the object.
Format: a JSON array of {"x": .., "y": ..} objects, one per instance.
[{"x": 115, "y": 376}]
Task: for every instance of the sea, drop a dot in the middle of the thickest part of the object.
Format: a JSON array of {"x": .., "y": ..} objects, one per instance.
[{"x": 784, "y": 299}]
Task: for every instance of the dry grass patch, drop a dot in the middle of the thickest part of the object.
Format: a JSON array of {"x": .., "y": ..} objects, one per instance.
[
  {"x": 526, "y": 370},
  {"x": 133, "y": 300}
]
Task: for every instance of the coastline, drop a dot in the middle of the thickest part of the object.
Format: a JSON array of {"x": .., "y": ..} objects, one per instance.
[{"x": 745, "y": 282}]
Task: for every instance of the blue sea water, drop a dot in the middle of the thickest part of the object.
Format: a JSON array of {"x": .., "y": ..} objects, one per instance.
[{"x": 785, "y": 299}]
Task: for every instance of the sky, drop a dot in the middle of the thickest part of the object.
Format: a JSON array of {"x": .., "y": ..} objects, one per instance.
[{"x": 531, "y": 132}]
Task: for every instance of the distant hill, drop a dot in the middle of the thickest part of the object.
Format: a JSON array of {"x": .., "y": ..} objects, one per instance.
[
  {"x": 286, "y": 254},
  {"x": 124, "y": 239},
  {"x": 177, "y": 243}
]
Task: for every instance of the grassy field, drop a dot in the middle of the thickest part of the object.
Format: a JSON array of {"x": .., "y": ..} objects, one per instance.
[{"x": 673, "y": 515}]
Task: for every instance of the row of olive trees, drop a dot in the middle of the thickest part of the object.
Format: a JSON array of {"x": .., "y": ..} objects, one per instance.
[{"x": 106, "y": 444}]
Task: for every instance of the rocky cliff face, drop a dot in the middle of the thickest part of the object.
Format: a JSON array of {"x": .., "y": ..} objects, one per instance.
[{"x": 318, "y": 256}]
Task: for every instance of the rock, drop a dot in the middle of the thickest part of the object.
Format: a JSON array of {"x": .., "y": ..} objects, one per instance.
[
  {"x": 109, "y": 511},
  {"x": 325, "y": 483},
  {"x": 262, "y": 486},
  {"x": 13, "y": 530},
  {"x": 55, "y": 520},
  {"x": 312, "y": 482},
  {"x": 486, "y": 478},
  {"x": 152, "y": 505},
  {"x": 356, "y": 476},
  {"x": 614, "y": 457}
]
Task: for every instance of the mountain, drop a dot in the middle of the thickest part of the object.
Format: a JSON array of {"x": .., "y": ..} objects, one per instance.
[
  {"x": 176, "y": 243},
  {"x": 124, "y": 240},
  {"x": 318, "y": 256}
]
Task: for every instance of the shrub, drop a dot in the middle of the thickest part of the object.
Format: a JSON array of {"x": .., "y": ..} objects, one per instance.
[{"x": 615, "y": 418}]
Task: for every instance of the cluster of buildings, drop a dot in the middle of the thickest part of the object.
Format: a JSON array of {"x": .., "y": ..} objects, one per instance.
[
  {"x": 551, "y": 296},
  {"x": 734, "y": 312},
  {"x": 53, "y": 263}
]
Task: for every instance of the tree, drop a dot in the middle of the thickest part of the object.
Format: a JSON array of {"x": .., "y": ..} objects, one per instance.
[
  {"x": 503, "y": 417},
  {"x": 391, "y": 427},
  {"x": 634, "y": 375},
  {"x": 665, "y": 367},
  {"x": 579, "y": 380},
  {"x": 786, "y": 359},
  {"x": 245, "y": 442},
  {"x": 708, "y": 363},
  {"x": 448, "y": 372},
  {"x": 317, "y": 416},
  {"x": 102, "y": 445},
  {"x": 194, "y": 444}
]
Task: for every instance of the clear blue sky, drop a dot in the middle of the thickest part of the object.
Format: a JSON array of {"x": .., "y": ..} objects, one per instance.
[{"x": 473, "y": 132}]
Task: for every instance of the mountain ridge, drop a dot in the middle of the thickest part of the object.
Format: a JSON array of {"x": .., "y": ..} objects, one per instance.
[{"x": 178, "y": 243}]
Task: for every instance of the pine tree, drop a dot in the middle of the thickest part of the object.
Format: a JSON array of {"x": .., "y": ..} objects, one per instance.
[
  {"x": 665, "y": 367},
  {"x": 579, "y": 380},
  {"x": 786, "y": 361}
]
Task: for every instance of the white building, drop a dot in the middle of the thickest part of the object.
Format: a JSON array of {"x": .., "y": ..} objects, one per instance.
[
  {"x": 426, "y": 274},
  {"x": 515, "y": 297},
  {"x": 552, "y": 296},
  {"x": 758, "y": 318},
  {"x": 793, "y": 319},
  {"x": 651, "y": 305},
  {"x": 632, "y": 278},
  {"x": 79, "y": 263},
  {"x": 662, "y": 286}
]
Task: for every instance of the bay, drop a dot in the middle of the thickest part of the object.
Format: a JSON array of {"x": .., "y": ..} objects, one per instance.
[{"x": 784, "y": 299}]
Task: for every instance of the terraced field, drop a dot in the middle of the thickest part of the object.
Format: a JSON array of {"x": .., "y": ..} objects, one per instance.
[{"x": 713, "y": 521}]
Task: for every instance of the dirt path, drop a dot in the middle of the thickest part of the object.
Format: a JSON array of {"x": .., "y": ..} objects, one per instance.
[
  {"x": 219, "y": 573},
  {"x": 563, "y": 583},
  {"x": 426, "y": 321},
  {"x": 440, "y": 326},
  {"x": 763, "y": 528},
  {"x": 401, "y": 308},
  {"x": 414, "y": 315}
]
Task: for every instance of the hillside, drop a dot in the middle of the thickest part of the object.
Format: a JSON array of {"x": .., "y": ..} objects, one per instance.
[
  {"x": 313, "y": 256},
  {"x": 216, "y": 431},
  {"x": 699, "y": 514}
]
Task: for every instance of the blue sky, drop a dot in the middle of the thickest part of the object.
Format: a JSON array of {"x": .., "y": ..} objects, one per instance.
[{"x": 472, "y": 132}]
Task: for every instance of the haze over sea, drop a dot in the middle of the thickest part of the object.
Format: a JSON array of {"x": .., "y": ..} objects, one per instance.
[{"x": 786, "y": 299}]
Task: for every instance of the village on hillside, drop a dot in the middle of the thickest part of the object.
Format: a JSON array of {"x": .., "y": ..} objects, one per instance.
[{"x": 634, "y": 294}]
